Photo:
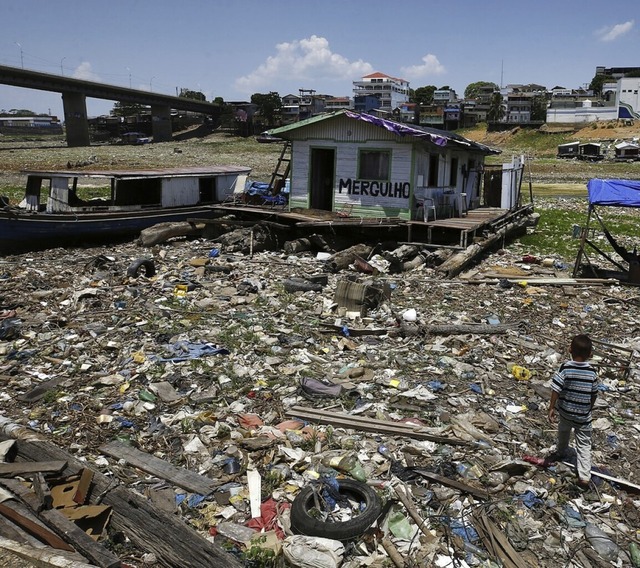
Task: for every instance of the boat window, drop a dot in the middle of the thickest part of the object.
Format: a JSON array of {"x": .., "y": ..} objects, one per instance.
[
  {"x": 207, "y": 189},
  {"x": 33, "y": 195},
  {"x": 138, "y": 192}
]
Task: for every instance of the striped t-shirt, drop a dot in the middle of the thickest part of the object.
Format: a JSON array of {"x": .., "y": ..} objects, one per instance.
[{"x": 575, "y": 382}]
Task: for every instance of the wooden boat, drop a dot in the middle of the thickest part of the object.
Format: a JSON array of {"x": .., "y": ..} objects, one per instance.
[{"x": 53, "y": 213}]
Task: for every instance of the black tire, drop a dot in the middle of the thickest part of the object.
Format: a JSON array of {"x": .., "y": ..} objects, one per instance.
[
  {"x": 145, "y": 265},
  {"x": 303, "y": 523}
]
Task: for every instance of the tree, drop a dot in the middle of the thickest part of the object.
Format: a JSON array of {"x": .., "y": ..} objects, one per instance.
[
  {"x": 127, "y": 109},
  {"x": 472, "y": 90},
  {"x": 193, "y": 95},
  {"x": 539, "y": 108},
  {"x": 423, "y": 95},
  {"x": 269, "y": 106},
  {"x": 598, "y": 81},
  {"x": 496, "y": 110}
]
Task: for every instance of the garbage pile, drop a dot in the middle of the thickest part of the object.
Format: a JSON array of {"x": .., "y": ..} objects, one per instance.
[{"x": 296, "y": 415}]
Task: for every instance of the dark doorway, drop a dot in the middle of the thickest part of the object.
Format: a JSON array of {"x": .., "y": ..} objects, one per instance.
[
  {"x": 321, "y": 178},
  {"x": 492, "y": 186}
]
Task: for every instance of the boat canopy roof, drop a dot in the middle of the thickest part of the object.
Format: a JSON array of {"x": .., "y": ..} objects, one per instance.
[
  {"x": 195, "y": 171},
  {"x": 614, "y": 192}
]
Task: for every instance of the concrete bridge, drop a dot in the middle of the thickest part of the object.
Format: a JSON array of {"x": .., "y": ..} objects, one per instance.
[{"x": 75, "y": 92}]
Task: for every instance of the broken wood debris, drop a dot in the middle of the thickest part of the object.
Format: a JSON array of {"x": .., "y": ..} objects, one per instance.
[
  {"x": 168, "y": 537},
  {"x": 366, "y": 424},
  {"x": 65, "y": 528}
]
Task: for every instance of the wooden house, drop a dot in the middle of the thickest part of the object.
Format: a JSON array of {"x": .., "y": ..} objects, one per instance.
[{"x": 376, "y": 167}]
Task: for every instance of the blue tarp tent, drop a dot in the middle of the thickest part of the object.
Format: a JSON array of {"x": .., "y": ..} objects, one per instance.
[{"x": 614, "y": 192}]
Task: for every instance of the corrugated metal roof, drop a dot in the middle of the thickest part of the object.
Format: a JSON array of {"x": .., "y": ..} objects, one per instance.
[
  {"x": 165, "y": 172},
  {"x": 438, "y": 137}
]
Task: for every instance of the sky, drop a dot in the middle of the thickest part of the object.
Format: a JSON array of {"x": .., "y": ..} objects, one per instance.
[{"x": 234, "y": 48}]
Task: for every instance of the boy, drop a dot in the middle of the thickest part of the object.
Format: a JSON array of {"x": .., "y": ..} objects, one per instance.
[{"x": 574, "y": 390}]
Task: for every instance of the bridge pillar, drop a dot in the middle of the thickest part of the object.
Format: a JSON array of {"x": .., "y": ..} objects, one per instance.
[
  {"x": 75, "y": 119},
  {"x": 161, "y": 123}
]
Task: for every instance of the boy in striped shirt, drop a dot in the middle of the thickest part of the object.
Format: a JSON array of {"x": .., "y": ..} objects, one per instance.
[{"x": 574, "y": 388}]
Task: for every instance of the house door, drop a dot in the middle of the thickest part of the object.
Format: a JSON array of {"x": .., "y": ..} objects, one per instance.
[
  {"x": 492, "y": 187},
  {"x": 321, "y": 178}
]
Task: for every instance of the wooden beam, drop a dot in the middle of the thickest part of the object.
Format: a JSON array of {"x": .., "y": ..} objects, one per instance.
[
  {"x": 463, "y": 487},
  {"x": 42, "y": 491},
  {"x": 366, "y": 424},
  {"x": 14, "y": 469},
  {"x": 41, "y": 533},
  {"x": 189, "y": 480},
  {"x": 40, "y": 557}
]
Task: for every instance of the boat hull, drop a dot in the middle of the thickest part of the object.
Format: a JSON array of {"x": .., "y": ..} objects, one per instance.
[{"x": 24, "y": 231}]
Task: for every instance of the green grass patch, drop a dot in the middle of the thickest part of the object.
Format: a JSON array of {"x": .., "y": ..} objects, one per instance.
[{"x": 555, "y": 235}]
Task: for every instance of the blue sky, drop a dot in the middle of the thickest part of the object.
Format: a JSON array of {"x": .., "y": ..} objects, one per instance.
[{"x": 233, "y": 48}]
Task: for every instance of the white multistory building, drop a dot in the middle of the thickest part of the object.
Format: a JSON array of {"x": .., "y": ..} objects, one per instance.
[{"x": 391, "y": 91}]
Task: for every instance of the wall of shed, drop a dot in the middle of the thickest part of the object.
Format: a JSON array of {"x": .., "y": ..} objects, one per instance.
[
  {"x": 58, "y": 199},
  {"x": 180, "y": 191}
]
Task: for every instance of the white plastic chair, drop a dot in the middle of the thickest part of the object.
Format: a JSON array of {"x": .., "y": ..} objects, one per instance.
[{"x": 429, "y": 205}]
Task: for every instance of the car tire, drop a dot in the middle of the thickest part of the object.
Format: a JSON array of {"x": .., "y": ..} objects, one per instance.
[
  {"x": 303, "y": 523},
  {"x": 142, "y": 265}
]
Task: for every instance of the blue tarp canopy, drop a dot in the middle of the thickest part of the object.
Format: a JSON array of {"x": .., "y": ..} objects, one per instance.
[{"x": 614, "y": 192}]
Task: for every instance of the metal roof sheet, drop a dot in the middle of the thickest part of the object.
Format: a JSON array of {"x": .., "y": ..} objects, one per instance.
[{"x": 162, "y": 172}]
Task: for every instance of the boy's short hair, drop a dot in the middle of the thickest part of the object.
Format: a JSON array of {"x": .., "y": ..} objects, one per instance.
[{"x": 581, "y": 346}]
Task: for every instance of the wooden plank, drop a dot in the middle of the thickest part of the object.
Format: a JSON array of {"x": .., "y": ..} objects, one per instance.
[
  {"x": 41, "y": 557},
  {"x": 84, "y": 484},
  {"x": 509, "y": 555},
  {"x": 463, "y": 487},
  {"x": 13, "y": 469},
  {"x": 366, "y": 424},
  {"x": 167, "y": 536},
  {"x": 65, "y": 528},
  {"x": 189, "y": 480},
  {"x": 41, "y": 533},
  {"x": 42, "y": 491}
]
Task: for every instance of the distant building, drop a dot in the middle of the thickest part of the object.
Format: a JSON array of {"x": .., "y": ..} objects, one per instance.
[
  {"x": 617, "y": 72},
  {"x": 628, "y": 98},
  {"x": 337, "y": 103},
  {"x": 366, "y": 103},
  {"x": 44, "y": 124},
  {"x": 391, "y": 91}
]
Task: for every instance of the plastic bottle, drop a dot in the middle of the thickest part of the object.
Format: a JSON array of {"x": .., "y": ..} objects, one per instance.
[
  {"x": 347, "y": 464},
  {"x": 634, "y": 553},
  {"x": 601, "y": 542}
]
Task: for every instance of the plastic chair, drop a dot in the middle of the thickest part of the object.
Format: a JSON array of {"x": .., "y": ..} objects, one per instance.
[{"x": 429, "y": 205}]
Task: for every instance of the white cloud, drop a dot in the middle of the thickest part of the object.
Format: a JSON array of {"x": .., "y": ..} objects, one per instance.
[
  {"x": 84, "y": 72},
  {"x": 429, "y": 66},
  {"x": 612, "y": 33},
  {"x": 309, "y": 59}
]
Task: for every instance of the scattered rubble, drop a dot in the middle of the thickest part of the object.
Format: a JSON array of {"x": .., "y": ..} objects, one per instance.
[{"x": 218, "y": 389}]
